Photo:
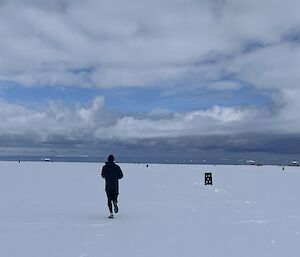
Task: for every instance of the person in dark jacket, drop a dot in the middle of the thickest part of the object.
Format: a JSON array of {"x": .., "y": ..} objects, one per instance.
[{"x": 111, "y": 172}]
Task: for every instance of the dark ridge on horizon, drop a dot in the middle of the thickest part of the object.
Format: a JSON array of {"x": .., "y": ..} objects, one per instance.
[{"x": 140, "y": 160}]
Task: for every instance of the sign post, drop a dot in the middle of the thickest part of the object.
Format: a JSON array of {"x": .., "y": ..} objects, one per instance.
[{"x": 208, "y": 178}]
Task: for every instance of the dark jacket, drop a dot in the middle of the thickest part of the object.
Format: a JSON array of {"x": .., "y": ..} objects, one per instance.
[{"x": 111, "y": 172}]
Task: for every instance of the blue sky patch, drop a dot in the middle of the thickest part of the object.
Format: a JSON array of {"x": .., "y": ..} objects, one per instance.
[{"x": 140, "y": 100}]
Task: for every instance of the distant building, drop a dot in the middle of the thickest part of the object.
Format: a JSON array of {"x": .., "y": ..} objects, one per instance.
[{"x": 251, "y": 162}]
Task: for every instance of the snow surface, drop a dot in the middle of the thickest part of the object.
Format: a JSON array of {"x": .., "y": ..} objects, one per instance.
[{"x": 59, "y": 209}]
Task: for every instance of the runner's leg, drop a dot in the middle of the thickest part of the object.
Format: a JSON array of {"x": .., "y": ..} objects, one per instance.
[{"x": 109, "y": 200}]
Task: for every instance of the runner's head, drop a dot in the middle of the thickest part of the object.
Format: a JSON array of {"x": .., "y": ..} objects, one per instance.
[{"x": 110, "y": 158}]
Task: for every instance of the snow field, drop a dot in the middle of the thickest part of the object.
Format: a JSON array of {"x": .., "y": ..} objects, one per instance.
[{"x": 59, "y": 209}]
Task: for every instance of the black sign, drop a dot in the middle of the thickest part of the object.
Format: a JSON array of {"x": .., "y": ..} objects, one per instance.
[{"x": 208, "y": 178}]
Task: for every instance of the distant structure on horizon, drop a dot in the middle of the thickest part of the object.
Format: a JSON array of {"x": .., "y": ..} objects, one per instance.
[{"x": 252, "y": 162}]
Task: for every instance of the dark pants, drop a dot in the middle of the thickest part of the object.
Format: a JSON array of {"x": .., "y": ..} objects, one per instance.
[{"x": 112, "y": 198}]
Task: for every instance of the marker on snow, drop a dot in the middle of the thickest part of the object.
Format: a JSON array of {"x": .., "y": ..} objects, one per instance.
[{"x": 208, "y": 178}]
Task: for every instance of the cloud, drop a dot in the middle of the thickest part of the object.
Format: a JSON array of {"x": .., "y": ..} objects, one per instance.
[
  {"x": 85, "y": 124},
  {"x": 54, "y": 119},
  {"x": 216, "y": 132},
  {"x": 179, "y": 45},
  {"x": 225, "y": 85},
  {"x": 104, "y": 44}
]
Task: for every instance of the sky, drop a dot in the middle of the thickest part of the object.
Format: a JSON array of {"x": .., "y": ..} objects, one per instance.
[{"x": 163, "y": 78}]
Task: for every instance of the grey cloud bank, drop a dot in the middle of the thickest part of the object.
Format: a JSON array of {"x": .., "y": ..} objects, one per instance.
[
  {"x": 220, "y": 45},
  {"x": 219, "y": 131},
  {"x": 138, "y": 43}
]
